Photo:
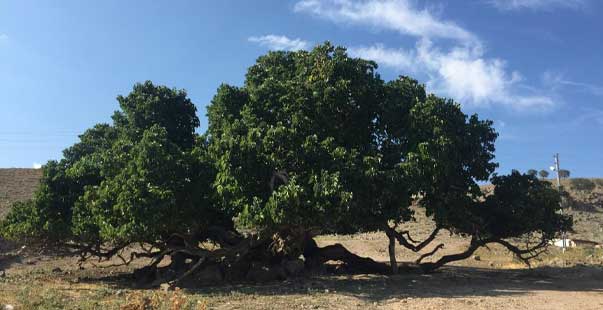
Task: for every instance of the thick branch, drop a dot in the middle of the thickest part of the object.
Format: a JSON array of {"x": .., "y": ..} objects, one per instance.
[
  {"x": 408, "y": 237},
  {"x": 392, "y": 254},
  {"x": 422, "y": 257},
  {"x": 473, "y": 246},
  {"x": 405, "y": 243},
  {"x": 317, "y": 256}
]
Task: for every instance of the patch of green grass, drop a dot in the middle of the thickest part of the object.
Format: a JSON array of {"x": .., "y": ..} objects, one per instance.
[{"x": 29, "y": 298}]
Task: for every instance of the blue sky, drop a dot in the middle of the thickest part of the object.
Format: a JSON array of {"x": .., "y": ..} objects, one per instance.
[{"x": 532, "y": 66}]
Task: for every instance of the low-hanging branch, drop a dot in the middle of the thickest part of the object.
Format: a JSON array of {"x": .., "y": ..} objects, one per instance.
[
  {"x": 422, "y": 257},
  {"x": 405, "y": 243},
  {"x": 523, "y": 254},
  {"x": 473, "y": 246},
  {"x": 96, "y": 251}
]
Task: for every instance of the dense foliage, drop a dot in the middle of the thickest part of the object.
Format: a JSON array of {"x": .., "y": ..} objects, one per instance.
[
  {"x": 314, "y": 141},
  {"x": 139, "y": 180},
  {"x": 305, "y": 142}
]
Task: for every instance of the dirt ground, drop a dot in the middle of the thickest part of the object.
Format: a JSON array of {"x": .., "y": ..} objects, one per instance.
[{"x": 490, "y": 280}]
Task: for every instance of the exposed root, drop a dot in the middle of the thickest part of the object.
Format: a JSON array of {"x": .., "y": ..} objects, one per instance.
[{"x": 316, "y": 256}]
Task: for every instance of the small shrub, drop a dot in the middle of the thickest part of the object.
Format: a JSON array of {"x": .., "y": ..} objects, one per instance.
[
  {"x": 161, "y": 300},
  {"x": 46, "y": 299}
]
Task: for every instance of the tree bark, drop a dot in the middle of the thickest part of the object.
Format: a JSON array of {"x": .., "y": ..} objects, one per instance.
[{"x": 392, "y": 253}]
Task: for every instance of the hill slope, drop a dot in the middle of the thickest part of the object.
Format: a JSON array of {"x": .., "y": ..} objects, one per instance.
[
  {"x": 17, "y": 185},
  {"x": 585, "y": 204}
]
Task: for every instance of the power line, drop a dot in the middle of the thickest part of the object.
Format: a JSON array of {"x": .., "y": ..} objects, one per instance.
[{"x": 44, "y": 133}]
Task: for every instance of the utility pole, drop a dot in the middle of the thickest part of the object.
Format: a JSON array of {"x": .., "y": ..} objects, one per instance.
[{"x": 556, "y": 168}]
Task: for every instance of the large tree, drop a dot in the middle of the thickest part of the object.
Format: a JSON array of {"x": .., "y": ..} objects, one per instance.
[
  {"x": 143, "y": 179},
  {"x": 312, "y": 142},
  {"x": 317, "y": 141}
]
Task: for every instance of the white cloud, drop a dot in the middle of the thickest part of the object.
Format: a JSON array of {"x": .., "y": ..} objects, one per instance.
[
  {"x": 275, "y": 42},
  {"x": 37, "y": 166},
  {"x": 462, "y": 73},
  {"x": 399, "y": 15},
  {"x": 537, "y": 4},
  {"x": 394, "y": 58}
]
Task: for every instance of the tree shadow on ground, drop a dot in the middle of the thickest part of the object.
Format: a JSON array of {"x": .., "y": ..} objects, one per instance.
[
  {"x": 448, "y": 282},
  {"x": 6, "y": 260}
]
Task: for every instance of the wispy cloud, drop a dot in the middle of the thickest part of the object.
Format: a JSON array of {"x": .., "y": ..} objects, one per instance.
[
  {"x": 37, "y": 165},
  {"x": 462, "y": 72},
  {"x": 398, "y": 15},
  {"x": 557, "y": 80},
  {"x": 596, "y": 116},
  {"x": 546, "y": 5},
  {"x": 588, "y": 116},
  {"x": 504, "y": 131},
  {"x": 3, "y": 36},
  {"x": 276, "y": 42}
]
